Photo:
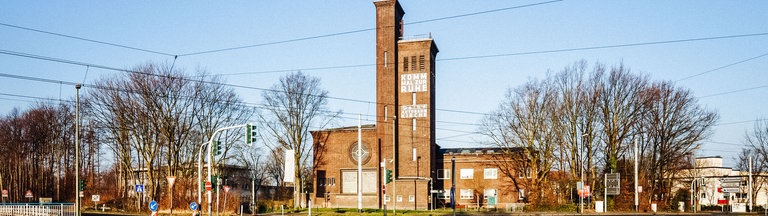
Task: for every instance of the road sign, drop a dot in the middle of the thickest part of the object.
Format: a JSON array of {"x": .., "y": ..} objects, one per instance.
[
  {"x": 585, "y": 191},
  {"x": 5, "y": 193},
  {"x": 29, "y": 194},
  {"x": 82, "y": 194},
  {"x": 612, "y": 184},
  {"x": 226, "y": 189},
  {"x": 730, "y": 184},
  {"x": 731, "y": 179},
  {"x": 208, "y": 186},
  {"x": 193, "y": 206},
  {"x": 731, "y": 190},
  {"x": 171, "y": 180},
  {"x": 153, "y": 206},
  {"x": 95, "y": 198},
  {"x": 140, "y": 188}
]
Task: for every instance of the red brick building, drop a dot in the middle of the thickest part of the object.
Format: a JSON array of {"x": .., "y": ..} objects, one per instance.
[{"x": 403, "y": 138}]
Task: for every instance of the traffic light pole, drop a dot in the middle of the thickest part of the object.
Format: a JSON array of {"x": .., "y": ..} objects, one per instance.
[{"x": 210, "y": 157}]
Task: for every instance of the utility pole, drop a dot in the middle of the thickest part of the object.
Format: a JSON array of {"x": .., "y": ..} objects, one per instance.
[
  {"x": 394, "y": 165},
  {"x": 77, "y": 149},
  {"x": 636, "y": 195}
]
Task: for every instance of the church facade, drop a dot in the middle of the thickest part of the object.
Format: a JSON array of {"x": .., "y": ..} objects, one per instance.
[{"x": 403, "y": 139}]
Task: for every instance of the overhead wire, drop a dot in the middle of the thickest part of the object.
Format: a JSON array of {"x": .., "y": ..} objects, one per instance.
[
  {"x": 722, "y": 67},
  {"x": 536, "y": 52},
  {"x": 366, "y": 29},
  {"x": 86, "y": 39}
]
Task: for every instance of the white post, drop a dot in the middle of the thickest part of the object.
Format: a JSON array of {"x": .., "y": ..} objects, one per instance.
[
  {"x": 636, "y": 200},
  {"x": 359, "y": 164},
  {"x": 605, "y": 192},
  {"x": 750, "y": 183}
]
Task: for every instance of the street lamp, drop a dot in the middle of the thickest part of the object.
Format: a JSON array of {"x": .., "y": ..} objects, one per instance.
[{"x": 77, "y": 149}]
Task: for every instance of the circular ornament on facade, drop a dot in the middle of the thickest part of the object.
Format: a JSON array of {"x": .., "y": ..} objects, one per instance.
[{"x": 365, "y": 152}]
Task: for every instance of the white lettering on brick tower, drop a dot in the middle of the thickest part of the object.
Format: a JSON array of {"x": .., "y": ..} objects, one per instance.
[
  {"x": 413, "y": 82},
  {"x": 413, "y": 111}
]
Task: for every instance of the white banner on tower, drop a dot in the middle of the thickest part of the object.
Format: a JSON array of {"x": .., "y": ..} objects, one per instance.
[{"x": 289, "y": 166}]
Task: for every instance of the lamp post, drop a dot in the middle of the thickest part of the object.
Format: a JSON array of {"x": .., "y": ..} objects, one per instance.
[{"x": 77, "y": 149}]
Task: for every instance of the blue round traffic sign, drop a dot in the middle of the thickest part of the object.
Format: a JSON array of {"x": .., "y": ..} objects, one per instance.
[
  {"x": 193, "y": 206},
  {"x": 153, "y": 206}
]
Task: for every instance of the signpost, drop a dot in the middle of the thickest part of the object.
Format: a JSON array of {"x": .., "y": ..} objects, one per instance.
[
  {"x": 153, "y": 207},
  {"x": 29, "y": 194},
  {"x": 208, "y": 186},
  {"x": 730, "y": 185},
  {"x": 171, "y": 180},
  {"x": 193, "y": 206},
  {"x": 613, "y": 183},
  {"x": 139, "y": 188}
]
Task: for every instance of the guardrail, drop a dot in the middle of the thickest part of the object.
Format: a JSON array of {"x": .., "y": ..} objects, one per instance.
[{"x": 35, "y": 209}]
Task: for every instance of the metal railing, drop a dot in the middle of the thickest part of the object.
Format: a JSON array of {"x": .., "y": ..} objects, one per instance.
[{"x": 47, "y": 209}]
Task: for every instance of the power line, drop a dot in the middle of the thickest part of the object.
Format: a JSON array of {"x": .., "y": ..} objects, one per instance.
[
  {"x": 86, "y": 39},
  {"x": 540, "y": 52},
  {"x": 721, "y": 67},
  {"x": 605, "y": 46},
  {"x": 735, "y": 91},
  {"x": 365, "y": 30}
]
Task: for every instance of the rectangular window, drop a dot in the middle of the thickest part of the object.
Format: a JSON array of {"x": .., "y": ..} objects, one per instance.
[
  {"x": 385, "y": 58},
  {"x": 445, "y": 195},
  {"x": 399, "y": 198},
  {"x": 466, "y": 194},
  {"x": 405, "y": 63},
  {"x": 521, "y": 194},
  {"x": 413, "y": 63},
  {"x": 411, "y": 198},
  {"x": 525, "y": 174},
  {"x": 443, "y": 174},
  {"x": 349, "y": 179},
  {"x": 386, "y": 198},
  {"x": 489, "y": 193},
  {"x": 490, "y": 173},
  {"x": 421, "y": 63},
  {"x": 467, "y": 173}
]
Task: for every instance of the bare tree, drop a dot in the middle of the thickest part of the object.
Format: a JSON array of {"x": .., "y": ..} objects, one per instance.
[
  {"x": 156, "y": 118},
  {"x": 293, "y": 106},
  {"x": 525, "y": 120},
  {"x": 757, "y": 148}
]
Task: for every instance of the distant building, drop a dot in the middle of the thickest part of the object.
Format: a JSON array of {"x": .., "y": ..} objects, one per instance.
[
  {"x": 716, "y": 185},
  {"x": 403, "y": 138}
]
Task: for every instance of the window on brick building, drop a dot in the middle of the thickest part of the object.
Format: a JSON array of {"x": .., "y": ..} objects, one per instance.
[
  {"x": 490, "y": 173},
  {"x": 405, "y": 63},
  {"x": 413, "y": 63},
  {"x": 525, "y": 174},
  {"x": 467, "y": 173},
  {"x": 411, "y": 198},
  {"x": 465, "y": 194},
  {"x": 443, "y": 174},
  {"x": 521, "y": 194},
  {"x": 489, "y": 193},
  {"x": 421, "y": 63}
]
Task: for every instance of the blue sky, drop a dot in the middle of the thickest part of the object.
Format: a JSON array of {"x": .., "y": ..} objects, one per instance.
[{"x": 469, "y": 85}]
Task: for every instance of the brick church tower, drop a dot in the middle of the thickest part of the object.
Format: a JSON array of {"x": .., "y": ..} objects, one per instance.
[{"x": 403, "y": 139}]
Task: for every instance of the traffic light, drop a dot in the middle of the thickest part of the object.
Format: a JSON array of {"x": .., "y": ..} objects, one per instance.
[
  {"x": 82, "y": 185},
  {"x": 250, "y": 134},
  {"x": 216, "y": 148},
  {"x": 389, "y": 176}
]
